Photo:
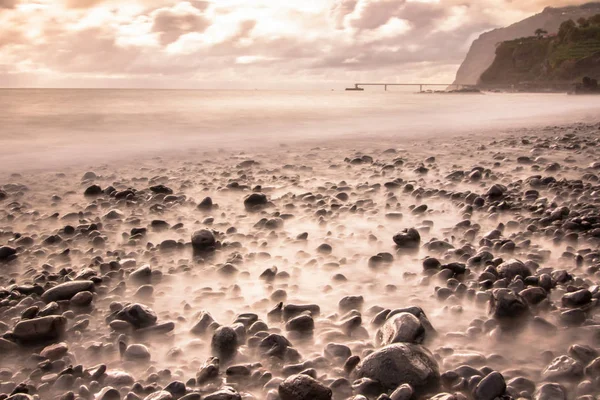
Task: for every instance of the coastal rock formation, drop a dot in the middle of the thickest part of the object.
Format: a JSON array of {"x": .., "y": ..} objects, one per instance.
[{"x": 482, "y": 53}]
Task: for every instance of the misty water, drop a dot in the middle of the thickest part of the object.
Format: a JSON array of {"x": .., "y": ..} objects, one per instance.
[
  {"x": 82, "y": 199},
  {"x": 64, "y": 126}
]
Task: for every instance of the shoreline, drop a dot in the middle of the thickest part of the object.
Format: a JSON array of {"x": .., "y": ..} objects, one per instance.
[
  {"x": 63, "y": 155},
  {"x": 476, "y": 250}
]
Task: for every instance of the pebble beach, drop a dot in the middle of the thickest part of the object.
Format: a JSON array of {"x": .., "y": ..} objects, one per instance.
[{"x": 451, "y": 268}]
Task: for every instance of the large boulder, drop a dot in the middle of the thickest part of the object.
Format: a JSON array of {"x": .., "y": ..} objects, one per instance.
[
  {"x": 303, "y": 387},
  {"x": 203, "y": 240},
  {"x": 512, "y": 268},
  {"x": 400, "y": 328},
  {"x": 42, "y": 329},
  {"x": 408, "y": 239},
  {"x": 65, "y": 291},
  {"x": 402, "y": 363}
]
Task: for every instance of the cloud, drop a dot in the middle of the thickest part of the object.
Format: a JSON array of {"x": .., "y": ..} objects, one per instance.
[
  {"x": 82, "y": 3},
  {"x": 236, "y": 40},
  {"x": 172, "y": 23},
  {"x": 8, "y": 3}
]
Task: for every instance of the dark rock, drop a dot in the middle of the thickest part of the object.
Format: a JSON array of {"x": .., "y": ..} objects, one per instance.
[
  {"x": 533, "y": 295},
  {"x": 224, "y": 343},
  {"x": 137, "y": 315},
  {"x": 160, "y": 395},
  {"x": 7, "y": 253},
  {"x": 550, "y": 391},
  {"x": 161, "y": 189},
  {"x": 203, "y": 241},
  {"x": 400, "y": 328},
  {"x": 577, "y": 299},
  {"x": 206, "y": 204},
  {"x": 66, "y": 290},
  {"x": 582, "y": 353},
  {"x": 302, "y": 323},
  {"x": 512, "y": 268},
  {"x": 274, "y": 345},
  {"x": 563, "y": 368},
  {"x": 227, "y": 393},
  {"x": 408, "y": 239},
  {"x": 93, "y": 190},
  {"x": 204, "y": 322},
  {"x": 351, "y": 303},
  {"x": 496, "y": 191},
  {"x": 490, "y": 387},
  {"x": 255, "y": 201},
  {"x": 506, "y": 306},
  {"x": 397, "y": 364},
  {"x": 403, "y": 392},
  {"x": 303, "y": 387},
  {"x": 292, "y": 310},
  {"x": 40, "y": 329}
]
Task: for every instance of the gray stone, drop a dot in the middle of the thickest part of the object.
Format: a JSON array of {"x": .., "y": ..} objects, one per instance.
[
  {"x": 255, "y": 201},
  {"x": 203, "y": 240},
  {"x": 403, "y": 392},
  {"x": 563, "y": 368},
  {"x": 40, "y": 329},
  {"x": 490, "y": 387},
  {"x": 577, "y": 299},
  {"x": 137, "y": 315},
  {"x": 65, "y": 291},
  {"x": 401, "y": 363},
  {"x": 162, "y": 395},
  {"x": 400, "y": 328},
  {"x": 224, "y": 343},
  {"x": 303, "y": 387},
  {"x": 507, "y": 306},
  {"x": 6, "y": 253},
  {"x": 512, "y": 268},
  {"x": 227, "y": 393},
  {"x": 550, "y": 391},
  {"x": 137, "y": 352},
  {"x": 408, "y": 239}
]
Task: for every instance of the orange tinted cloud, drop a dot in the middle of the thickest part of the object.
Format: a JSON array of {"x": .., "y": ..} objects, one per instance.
[{"x": 262, "y": 40}]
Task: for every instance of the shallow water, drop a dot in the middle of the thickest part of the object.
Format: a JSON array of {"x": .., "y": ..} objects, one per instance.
[{"x": 44, "y": 127}]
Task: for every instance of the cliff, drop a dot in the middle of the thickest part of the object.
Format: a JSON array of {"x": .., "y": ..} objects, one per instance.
[
  {"x": 482, "y": 53},
  {"x": 570, "y": 55}
]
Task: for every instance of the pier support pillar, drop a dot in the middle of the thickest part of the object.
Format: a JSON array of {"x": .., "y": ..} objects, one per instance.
[
  {"x": 420, "y": 88},
  {"x": 385, "y": 88}
]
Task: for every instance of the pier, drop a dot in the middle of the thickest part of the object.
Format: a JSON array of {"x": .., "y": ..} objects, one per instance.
[{"x": 359, "y": 86}]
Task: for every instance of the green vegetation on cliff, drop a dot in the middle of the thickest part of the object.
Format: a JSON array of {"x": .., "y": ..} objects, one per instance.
[{"x": 569, "y": 55}]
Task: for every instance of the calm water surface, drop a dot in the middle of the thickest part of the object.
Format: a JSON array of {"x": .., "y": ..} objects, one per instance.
[{"x": 53, "y": 126}]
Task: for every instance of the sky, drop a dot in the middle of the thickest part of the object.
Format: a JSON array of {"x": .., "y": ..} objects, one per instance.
[{"x": 243, "y": 43}]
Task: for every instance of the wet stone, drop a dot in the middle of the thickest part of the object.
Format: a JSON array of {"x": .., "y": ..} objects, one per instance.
[
  {"x": 303, "y": 387},
  {"x": 399, "y": 364}
]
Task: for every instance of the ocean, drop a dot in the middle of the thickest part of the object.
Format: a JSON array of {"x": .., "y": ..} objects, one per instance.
[{"x": 40, "y": 127}]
